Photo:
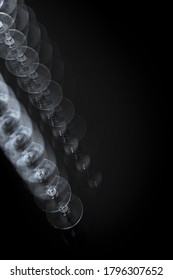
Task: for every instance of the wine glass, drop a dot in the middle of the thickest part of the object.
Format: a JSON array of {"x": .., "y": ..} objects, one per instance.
[
  {"x": 42, "y": 175},
  {"x": 10, "y": 39},
  {"x": 30, "y": 158},
  {"x": 25, "y": 62},
  {"x": 6, "y": 22},
  {"x": 60, "y": 117},
  {"x": 54, "y": 196},
  {"x": 68, "y": 216},
  {"x": 48, "y": 99},
  {"x": 37, "y": 81},
  {"x": 75, "y": 131}
]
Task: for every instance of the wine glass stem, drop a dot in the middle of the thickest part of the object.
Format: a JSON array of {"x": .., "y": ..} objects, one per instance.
[
  {"x": 65, "y": 211},
  {"x": 9, "y": 41},
  {"x": 34, "y": 76},
  {"x": 20, "y": 56}
]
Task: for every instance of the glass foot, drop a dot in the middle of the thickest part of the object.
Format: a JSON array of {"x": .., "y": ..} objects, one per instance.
[
  {"x": 68, "y": 218},
  {"x": 53, "y": 197}
]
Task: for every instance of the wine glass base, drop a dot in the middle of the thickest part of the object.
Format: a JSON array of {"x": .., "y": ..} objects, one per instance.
[
  {"x": 23, "y": 68},
  {"x": 37, "y": 81},
  {"x": 53, "y": 197},
  {"x": 69, "y": 219},
  {"x": 10, "y": 52}
]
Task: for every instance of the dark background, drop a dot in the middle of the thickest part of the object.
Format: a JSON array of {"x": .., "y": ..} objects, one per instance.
[{"x": 113, "y": 59}]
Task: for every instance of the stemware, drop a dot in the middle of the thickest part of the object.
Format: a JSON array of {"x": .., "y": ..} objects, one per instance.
[
  {"x": 10, "y": 39},
  {"x": 69, "y": 215},
  {"x": 54, "y": 196},
  {"x": 25, "y": 62},
  {"x": 48, "y": 99},
  {"x": 30, "y": 158},
  {"x": 42, "y": 175},
  {"x": 75, "y": 131},
  {"x": 37, "y": 81},
  {"x": 61, "y": 116}
]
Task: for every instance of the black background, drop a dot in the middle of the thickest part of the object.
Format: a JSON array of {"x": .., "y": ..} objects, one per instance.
[{"x": 114, "y": 58}]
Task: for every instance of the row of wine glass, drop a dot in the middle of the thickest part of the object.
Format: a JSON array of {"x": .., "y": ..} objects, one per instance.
[
  {"x": 24, "y": 146},
  {"x": 44, "y": 94}
]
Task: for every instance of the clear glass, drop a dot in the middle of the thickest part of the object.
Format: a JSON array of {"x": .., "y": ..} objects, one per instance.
[
  {"x": 60, "y": 117},
  {"x": 37, "y": 82},
  {"x": 75, "y": 131},
  {"x": 24, "y": 64},
  {"x": 12, "y": 41},
  {"x": 48, "y": 99},
  {"x": 29, "y": 159},
  {"x": 53, "y": 197},
  {"x": 42, "y": 175},
  {"x": 69, "y": 216},
  {"x": 6, "y": 22}
]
